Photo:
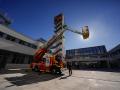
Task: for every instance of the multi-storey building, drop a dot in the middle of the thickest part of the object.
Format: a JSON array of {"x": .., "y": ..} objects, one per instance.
[
  {"x": 115, "y": 57},
  {"x": 88, "y": 57},
  {"x": 15, "y": 48}
]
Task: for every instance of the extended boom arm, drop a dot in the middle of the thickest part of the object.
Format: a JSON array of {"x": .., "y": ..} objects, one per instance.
[{"x": 41, "y": 52}]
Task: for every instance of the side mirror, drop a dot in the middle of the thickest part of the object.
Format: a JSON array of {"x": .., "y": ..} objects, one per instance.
[{"x": 85, "y": 32}]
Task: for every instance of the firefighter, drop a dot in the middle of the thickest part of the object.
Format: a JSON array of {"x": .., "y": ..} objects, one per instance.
[{"x": 69, "y": 66}]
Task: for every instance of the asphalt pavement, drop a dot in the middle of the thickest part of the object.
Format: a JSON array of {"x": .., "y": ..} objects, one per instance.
[{"x": 80, "y": 80}]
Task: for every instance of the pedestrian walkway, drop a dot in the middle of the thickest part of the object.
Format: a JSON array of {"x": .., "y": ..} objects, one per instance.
[{"x": 80, "y": 80}]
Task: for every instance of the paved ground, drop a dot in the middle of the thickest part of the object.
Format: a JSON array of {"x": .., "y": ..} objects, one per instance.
[{"x": 80, "y": 80}]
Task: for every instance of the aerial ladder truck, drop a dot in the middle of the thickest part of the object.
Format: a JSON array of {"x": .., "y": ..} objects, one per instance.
[
  {"x": 53, "y": 63},
  {"x": 55, "y": 66}
]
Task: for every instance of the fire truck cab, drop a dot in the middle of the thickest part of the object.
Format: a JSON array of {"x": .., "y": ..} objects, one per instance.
[{"x": 48, "y": 64}]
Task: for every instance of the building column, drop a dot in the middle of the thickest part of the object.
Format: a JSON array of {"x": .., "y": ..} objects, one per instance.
[
  {"x": 9, "y": 59},
  {"x": 108, "y": 61},
  {"x": 26, "y": 59}
]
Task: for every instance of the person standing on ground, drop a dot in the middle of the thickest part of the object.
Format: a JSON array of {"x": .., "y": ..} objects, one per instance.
[{"x": 69, "y": 66}]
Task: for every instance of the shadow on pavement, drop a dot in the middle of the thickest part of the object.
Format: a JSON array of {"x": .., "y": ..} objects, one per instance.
[
  {"x": 64, "y": 77},
  {"x": 25, "y": 76},
  {"x": 9, "y": 86},
  {"x": 31, "y": 78}
]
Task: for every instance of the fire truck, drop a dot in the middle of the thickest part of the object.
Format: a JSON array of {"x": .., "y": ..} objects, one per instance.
[{"x": 45, "y": 62}]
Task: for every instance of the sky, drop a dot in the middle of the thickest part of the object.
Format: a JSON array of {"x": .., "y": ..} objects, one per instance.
[{"x": 35, "y": 18}]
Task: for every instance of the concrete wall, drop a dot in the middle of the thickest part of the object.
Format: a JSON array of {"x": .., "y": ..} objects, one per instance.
[
  {"x": 15, "y": 47},
  {"x": 17, "y": 66},
  {"x": 12, "y": 32}
]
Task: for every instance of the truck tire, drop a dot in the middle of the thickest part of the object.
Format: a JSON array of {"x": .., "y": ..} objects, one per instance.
[
  {"x": 59, "y": 71},
  {"x": 36, "y": 69},
  {"x": 53, "y": 71}
]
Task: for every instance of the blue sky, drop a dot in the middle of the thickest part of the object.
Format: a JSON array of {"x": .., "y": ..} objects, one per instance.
[{"x": 34, "y": 18}]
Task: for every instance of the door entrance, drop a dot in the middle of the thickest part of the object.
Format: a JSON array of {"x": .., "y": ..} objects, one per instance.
[{"x": 1, "y": 61}]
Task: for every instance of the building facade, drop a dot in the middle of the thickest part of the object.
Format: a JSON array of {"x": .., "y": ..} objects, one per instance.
[
  {"x": 15, "y": 48},
  {"x": 88, "y": 57},
  {"x": 114, "y": 54}
]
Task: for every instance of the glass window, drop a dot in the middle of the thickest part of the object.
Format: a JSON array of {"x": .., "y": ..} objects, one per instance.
[
  {"x": 87, "y": 51},
  {"x": 4, "y": 35},
  {"x": 29, "y": 45},
  {"x": 17, "y": 40},
  {"x": 103, "y": 49},
  {"x": 119, "y": 51},
  {"x": 26, "y": 43},
  {"x": 1, "y": 34},
  {"x": 66, "y": 52},
  {"x": 94, "y": 50},
  {"x": 22, "y": 59},
  {"x": 99, "y": 50},
  {"x": 22, "y": 42},
  {"x": 8, "y": 37},
  {"x": 13, "y": 39},
  {"x": 34, "y": 46},
  {"x": 91, "y": 51}
]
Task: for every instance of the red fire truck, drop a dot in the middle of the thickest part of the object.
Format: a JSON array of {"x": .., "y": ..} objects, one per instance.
[{"x": 53, "y": 63}]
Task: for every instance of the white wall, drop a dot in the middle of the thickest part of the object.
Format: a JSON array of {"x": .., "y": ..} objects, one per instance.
[
  {"x": 17, "y": 66},
  {"x": 16, "y": 34},
  {"x": 15, "y": 47}
]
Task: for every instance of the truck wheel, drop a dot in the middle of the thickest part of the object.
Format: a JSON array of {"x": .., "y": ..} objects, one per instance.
[
  {"x": 36, "y": 69},
  {"x": 33, "y": 69},
  {"x": 60, "y": 72},
  {"x": 53, "y": 71}
]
